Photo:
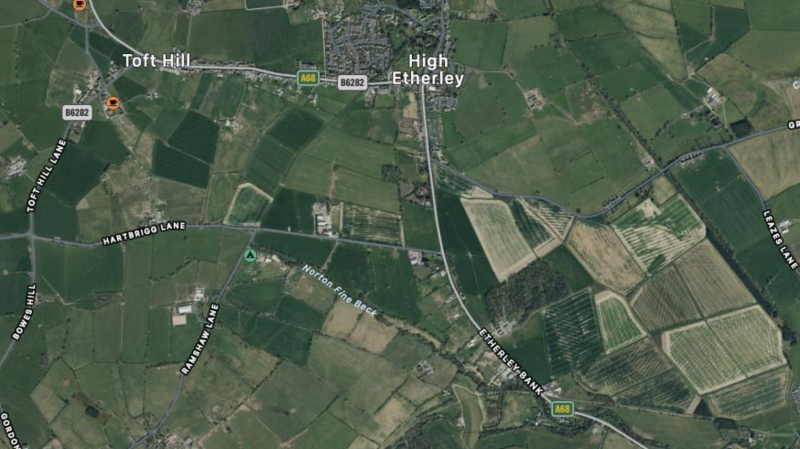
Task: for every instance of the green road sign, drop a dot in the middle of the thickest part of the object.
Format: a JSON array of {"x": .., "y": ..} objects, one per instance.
[
  {"x": 562, "y": 409},
  {"x": 250, "y": 255},
  {"x": 308, "y": 78}
]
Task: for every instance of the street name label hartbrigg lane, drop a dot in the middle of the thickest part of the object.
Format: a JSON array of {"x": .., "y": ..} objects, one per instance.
[
  {"x": 27, "y": 314},
  {"x": 38, "y": 185},
  {"x": 202, "y": 341},
  {"x": 144, "y": 232}
]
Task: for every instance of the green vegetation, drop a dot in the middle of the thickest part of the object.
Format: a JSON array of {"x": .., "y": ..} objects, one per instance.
[
  {"x": 572, "y": 334},
  {"x": 196, "y": 136},
  {"x": 479, "y": 45},
  {"x": 616, "y": 323},
  {"x": 290, "y": 211},
  {"x": 179, "y": 166}
]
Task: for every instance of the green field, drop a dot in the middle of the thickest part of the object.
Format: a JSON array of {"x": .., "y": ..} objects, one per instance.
[
  {"x": 616, "y": 323},
  {"x": 572, "y": 334},
  {"x": 179, "y": 166},
  {"x": 479, "y": 45},
  {"x": 625, "y": 368},
  {"x": 658, "y": 234},
  {"x": 753, "y": 396},
  {"x": 702, "y": 357},
  {"x": 665, "y": 300}
]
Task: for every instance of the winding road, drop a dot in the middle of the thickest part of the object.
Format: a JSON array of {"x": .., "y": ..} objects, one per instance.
[{"x": 30, "y": 234}]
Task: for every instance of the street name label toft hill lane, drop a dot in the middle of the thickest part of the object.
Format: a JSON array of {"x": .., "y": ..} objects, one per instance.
[{"x": 38, "y": 185}]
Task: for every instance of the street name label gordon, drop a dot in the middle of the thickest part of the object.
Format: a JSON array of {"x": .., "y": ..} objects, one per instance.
[
  {"x": 352, "y": 82},
  {"x": 340, "y": 292}
]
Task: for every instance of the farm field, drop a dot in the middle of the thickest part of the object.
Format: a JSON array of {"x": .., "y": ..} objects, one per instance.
[
  {"x": 713, "y": 284},
  {"x": 770, "y": 161},
  {"x": 625, "y": 368},
  {"x": 702, "y": 357},
  {"x": 665, "y": 300},
  {"x": 752, "y": 396},
  {"x": 249, "y": 204},
  {"x": 603, "y": 254},
  {"x": 656, "y": 235},
  {"x": 504, "y": 245},
  {"x": 363, "y": 223},
  {"x": 617, "y": 324},
  {"x": 751, "y": 338},
  {"x": 572, "y": 333}
]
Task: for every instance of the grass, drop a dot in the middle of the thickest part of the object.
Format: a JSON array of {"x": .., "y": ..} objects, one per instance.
[
  {"x": 751, "y": 338},
  {"x": 527, "y": 344},
  {"x": 396, "y": 290},
  {"x": 500, "y": 238},
  {"x": 702, "y": 357},
  {"x": 419, "y": 227},
  {"x": 479, "y": 45},
  {"x": 616, "y": 323},
  {"x": 658, "y": 234},
  {"x": 178, "y": 166},
  {"x": 625, "y": 368},
  {"x": 196, "y": 136},
  {"x": 344, "y": 368},
  {"x": 667, "y": 391},
  {"x": 665, "y": 300},
  {"x": 572, "y": 334},
  {"x": 291, "y": 210},
  {"x": 588, "y": 22},
  {"x": 362, "y": 223},
  {"x": 651, "y": 109},
  {"x": 603, "y": 255},
  {"x": 753, "y": 396},
  {"x": 301, "y": 249},
  {"x": 262, "y": 296},
  {"x": 683, "y": 432},
  {"x": 249, "y": 205},
  {"x": 471, "y": 412},
  {"x": 102, "y": 139}
]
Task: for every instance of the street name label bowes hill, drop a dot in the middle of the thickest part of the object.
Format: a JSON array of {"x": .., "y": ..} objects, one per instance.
[
  {"x": 432, "y": 64},
  {"x": 144, "y": 232},
  {"x": 27, "y": 314}
]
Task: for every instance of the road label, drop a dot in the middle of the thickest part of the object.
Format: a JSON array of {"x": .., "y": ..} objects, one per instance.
[
  {"x": 504, "y": 357},
  {"x": 38, "y": 185},
  {"x": 562, "y": 409},
  {"x": 775, "y": 233},
  {"x": 308, "y": 78},
  {"x": 9, "y": 429},
  {"x": 793, "y": 124},
  {"x": 27, "y": 314},
  {"x": 340, "y": 292},
  {"x": 76, "y": 112},
  {"x": 202, "y": 341},
  {"x": 112, "y": 103},
  {"x": 352, "y": 82},
  {"x": 144, "y": 232},
  {"x": 431, "y": 64}
]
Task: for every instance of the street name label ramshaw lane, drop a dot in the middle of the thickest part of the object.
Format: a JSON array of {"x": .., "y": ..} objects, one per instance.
[
  {"x": 38, "y": 185},
  {"x": 9, "y": 430},
  {"x": 340, "y": 292},
  {"x": 504, "y": 357},
  {"x": 202, "y": 341},
  {"x": 144, "y": 232},
  {"x": 775, "y": 232},
  {"x": 27, "y": 314}
]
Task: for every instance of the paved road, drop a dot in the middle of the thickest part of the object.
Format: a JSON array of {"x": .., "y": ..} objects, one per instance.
[
  {"x": 626, "y": 195},
  {"x": 233, "y": 68},
  {"x": 450, "y": 276}
]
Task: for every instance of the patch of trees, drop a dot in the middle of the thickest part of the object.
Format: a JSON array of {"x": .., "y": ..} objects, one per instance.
[{"x": 536, "y": 286}]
